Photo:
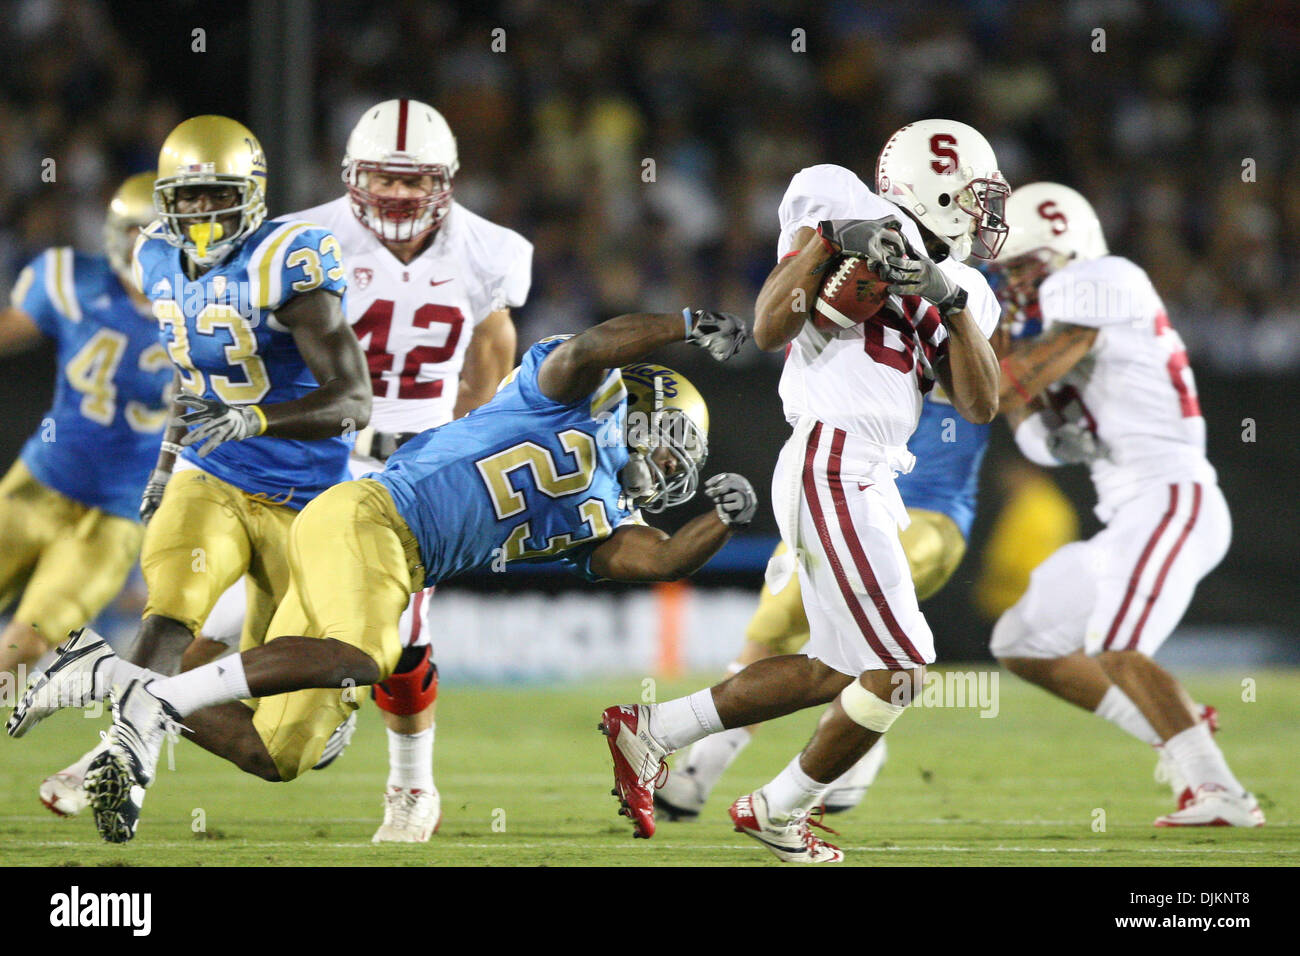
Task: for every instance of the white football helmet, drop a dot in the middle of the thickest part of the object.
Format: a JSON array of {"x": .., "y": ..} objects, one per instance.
[
  {"x": 945, "y": 174},
  {"x": 400, "y": 137},
  {"x": 1054, "y": 217}
]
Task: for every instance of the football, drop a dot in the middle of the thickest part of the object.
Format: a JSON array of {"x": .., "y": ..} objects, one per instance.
[{"x": 850, "y": 295}]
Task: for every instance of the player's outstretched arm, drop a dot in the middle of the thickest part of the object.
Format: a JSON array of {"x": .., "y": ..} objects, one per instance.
[
  {"x": 639, "y": 553},
  {"x": 489, "y": 357},
  {"x": 330, "y": 348},
  {"x": 575, "y": 368},
  {"x": 18, "y": 332},
  {"x": 1038, "y": 363}
]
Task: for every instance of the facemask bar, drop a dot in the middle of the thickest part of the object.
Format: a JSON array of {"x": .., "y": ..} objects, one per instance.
[
  {"x": 985, "y": 200},
  {"x": 178, "y": 223},
  {"x": 398, "y": 218}
]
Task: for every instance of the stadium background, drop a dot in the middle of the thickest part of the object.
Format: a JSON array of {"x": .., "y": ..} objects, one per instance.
[{"x": 554, "y": 132}]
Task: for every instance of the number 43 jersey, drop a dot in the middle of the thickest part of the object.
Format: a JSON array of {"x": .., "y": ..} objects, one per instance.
[
  {"x": 222, "y": 335},
  {"x": 415, "y": 319},
  {"x": 521, "y": 478}
]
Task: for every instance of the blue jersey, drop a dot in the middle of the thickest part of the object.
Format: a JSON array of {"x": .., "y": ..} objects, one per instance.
[
  {"x": 99, "y": 442},
  {"x": 521, "y": 478},
  {"x": 221, "y": 333},
  {"x": 949, "y": 451}
]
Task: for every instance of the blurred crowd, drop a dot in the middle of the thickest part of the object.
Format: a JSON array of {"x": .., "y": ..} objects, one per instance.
[{"x": 644, "y": 146}]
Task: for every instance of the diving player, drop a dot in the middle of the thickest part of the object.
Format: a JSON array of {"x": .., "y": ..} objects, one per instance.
[
  {"x": 556, "y": 466},
  {"x": 1107, "y": 384},
  {"x": 68, "y": 506},
  {"x": 271, "y": 378},
  {"x": 940, "y": 497}
]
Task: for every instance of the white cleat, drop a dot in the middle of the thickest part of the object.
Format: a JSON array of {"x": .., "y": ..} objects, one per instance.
[
  {"x": 64, "y": 793},
  {"x": 116, "y": 780},
  {"x": 69, "y": 681},
  {"x": 410, "y": 816},
  {"x": 851, "y": 787},
  {"x": 1214, "y": 806},
  {"x": 338, "y": 742},
  {"x": 681, "y": 798},
  {"x": 790, "y": 842}
]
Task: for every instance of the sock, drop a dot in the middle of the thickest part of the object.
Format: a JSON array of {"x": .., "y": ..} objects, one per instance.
[
  {"x": 1200, "y": 760},
  {"x": 792, "y": 790},
  {"x": 115, "y": 670},
  {"x": 683, "y": 721},
  {"x": 709, "y": 758},
  {"x": 215, "y": 683},
  {"x": 1117, "y": 707},
  {"x": 410, "y": 760}
]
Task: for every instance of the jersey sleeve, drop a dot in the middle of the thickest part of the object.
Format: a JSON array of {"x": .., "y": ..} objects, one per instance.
[
  {"x": 295, "y": 259},
  {"x": 604, "y": 401},
  {"x": 1096, "y": 293},
  {"x": 504, "y": 262},
  {"x": 812, "y": 196},
  {"x": 38, "y": 289},
  {"x": 981, "y": 302}
]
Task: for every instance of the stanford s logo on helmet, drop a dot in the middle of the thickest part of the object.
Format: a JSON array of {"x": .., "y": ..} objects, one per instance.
[
  {"x": 400, "y": 138},
  {"x": 945, "y": 174}
]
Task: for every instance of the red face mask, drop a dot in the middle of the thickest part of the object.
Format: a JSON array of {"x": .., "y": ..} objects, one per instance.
[
  {"x": 985, "y": 200},
  {"x": 401, "y": 218}
]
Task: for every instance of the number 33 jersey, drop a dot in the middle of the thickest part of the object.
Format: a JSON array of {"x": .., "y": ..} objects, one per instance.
[
  {"x": 1134, "y": 390},
  {"x": 868, "y": 379},
  {"x": 221, "y": 333},
  {"x": 521, "y": 478},
  {"x": 415, "y": 319}
]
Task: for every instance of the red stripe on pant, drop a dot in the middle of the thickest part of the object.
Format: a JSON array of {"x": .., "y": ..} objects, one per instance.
[
  {"x": 1141, "y": 565},
  {"x": 824, "y": 534},
  {"x": 859, "y": 556},
  {"x": 1164, "y": 568}
]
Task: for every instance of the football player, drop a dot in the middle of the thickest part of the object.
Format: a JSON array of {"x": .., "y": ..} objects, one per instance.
[
  {"x": 271, "y": 378},
  {"x": 431, "y": 285},
  {"x": 557, "y": 466},
  {"x": 68, "y": 506},
  {"x": 939, "y": 494},
  {"x": 1107, "y": 384},
  {"x": 854, "y": 397}
]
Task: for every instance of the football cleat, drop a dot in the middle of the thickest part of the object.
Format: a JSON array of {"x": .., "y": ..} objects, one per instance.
[
  {"x": 851, "y": 787},
  {"x": 69, "y": 681},
  {"x": 1214, "y": 806},
  {"x": 681, "y": 798},
  {"x": 790, "y": 842},
  {"x": 338, "y": 742},
  {"x": 638, "y": 763},
  {"x": 64, "y": 793},
  {"x": 117, "y": 778},
  {"x": 410, "y": 816}
]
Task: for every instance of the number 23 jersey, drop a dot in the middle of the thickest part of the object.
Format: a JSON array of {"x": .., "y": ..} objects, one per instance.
[
  {"x": 521, "y": 478},
  {"x": 415, "y": 319}
]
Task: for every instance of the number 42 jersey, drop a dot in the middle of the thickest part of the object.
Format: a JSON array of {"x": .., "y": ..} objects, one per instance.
[
  {"x": 521, "y": 478},
  {"x": 415, "y": 319}
]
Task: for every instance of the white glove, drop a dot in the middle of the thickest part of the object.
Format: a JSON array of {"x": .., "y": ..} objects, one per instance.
[
  {"x": 1073, "y": 444},
  {"x": 218, "y": 422},
  {"x": 721, "y": 334},
  {"x": 734, "y": 497}
]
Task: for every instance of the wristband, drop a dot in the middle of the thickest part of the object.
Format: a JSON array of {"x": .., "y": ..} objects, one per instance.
[
  {"x": 686, "y": 314},
  {"x": 1015, "y": 382},
  {"x": 261, "y": 417},
  {"x": 172, "y": 448}
]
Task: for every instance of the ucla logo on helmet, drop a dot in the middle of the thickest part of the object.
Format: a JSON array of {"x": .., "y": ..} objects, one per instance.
[{"x": 645, "y": 374}]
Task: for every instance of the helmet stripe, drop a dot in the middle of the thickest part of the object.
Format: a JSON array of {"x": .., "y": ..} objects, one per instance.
[{"x": 402, "y": 106}]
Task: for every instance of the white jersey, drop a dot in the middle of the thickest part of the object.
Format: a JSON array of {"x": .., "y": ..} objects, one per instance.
[
  {"x": 414, "y": 320},
  {"x": 1134, "y": 389},
  {"x": 866, "y": 380}
]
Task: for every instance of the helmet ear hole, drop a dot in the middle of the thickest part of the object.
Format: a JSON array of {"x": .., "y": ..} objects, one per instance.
[{"x": 945, "y": 199}]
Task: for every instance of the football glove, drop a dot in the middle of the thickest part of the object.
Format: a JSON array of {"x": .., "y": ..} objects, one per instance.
[
  {"x": 910, "y": 274},
  {"x": 872, "y": 239},
  {"x": 218, "y": 422},
  {"x": 1073, "y": 444},
  {"x": 734, "y": 497},
  {"x": 721, "y": 334},
  {"x": 153, "y": 493}
]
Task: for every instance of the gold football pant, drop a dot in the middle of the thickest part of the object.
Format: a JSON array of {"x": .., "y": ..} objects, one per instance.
[
  {"x": 205, "y": 536},
  {"x": 66, "y": 559},
  {"x": 355, "y": 565},
  {"x": 934, "y": 546}
]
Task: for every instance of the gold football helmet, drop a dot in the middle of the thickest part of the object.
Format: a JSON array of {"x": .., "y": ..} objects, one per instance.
[
  {"x": 667, "y": 421},
  {"x": 130, "y": 208},
  {"x": 210, "y": 151}
]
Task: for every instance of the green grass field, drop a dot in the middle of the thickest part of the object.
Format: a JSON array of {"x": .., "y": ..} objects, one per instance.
[{"x": 525, "y": 781}]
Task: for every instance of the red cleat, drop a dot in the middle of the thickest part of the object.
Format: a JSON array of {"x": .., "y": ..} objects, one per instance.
[{"x": 638, "y": 764}]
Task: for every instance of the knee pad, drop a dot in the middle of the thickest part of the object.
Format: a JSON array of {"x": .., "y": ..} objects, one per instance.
[
  {"x": 867, "y": 710},
  {"x": 412, "y": 687}
]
